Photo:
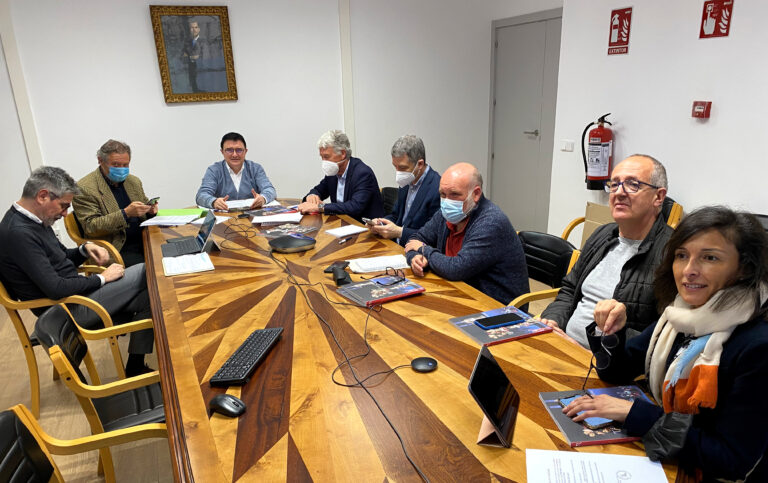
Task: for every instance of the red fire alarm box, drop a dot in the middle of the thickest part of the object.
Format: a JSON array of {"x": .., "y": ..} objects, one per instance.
[{"x": 701, "y": 109}]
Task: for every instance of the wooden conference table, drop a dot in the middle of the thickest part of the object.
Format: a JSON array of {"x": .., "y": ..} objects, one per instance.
[{"x": 298, "y": 424}]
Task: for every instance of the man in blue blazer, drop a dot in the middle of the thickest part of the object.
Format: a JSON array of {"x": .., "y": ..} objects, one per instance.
[
  {"x": 419, "y": 195},
  {"x": 349, "y": 182}
]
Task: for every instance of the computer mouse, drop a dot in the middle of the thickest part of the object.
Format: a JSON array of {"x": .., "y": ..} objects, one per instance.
[
  {"x": 424, "y": 364},
  {"x": 227, "y": 404}
]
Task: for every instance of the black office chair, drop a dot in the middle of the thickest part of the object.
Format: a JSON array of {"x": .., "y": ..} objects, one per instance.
[
  {"x": 25, "y": 449},
  {"x": 389, "y": 197},
  {"x": 126, "y": 403},
  {"x": 549, "y": 259}
]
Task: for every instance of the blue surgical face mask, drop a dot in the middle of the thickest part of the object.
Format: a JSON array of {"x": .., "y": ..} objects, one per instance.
[
  {"x": 452, "y": 210},
  {"x": 118, "y": 175}
]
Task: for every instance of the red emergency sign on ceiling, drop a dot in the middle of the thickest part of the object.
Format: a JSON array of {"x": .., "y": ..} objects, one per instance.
[
  {"x": 618, "y": 38},
  {"x": 716, "y": 19}
]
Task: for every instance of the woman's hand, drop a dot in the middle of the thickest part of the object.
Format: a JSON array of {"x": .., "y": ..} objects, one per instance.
[
  {"x": 610, "y": 315},
  {"x": 602, "y": 406}
]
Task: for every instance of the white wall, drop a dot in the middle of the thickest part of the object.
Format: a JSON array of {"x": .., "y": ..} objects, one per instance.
[
  {"x": 650, "y": 92},
  {"x": 423, "y": 67},
  {"x": 14, "y": 167},
  {"x": 91, "y": 71}
]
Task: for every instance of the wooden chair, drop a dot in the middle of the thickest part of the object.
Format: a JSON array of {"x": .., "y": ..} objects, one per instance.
[
  {"x": 549, "y": 258},
  {"x": 119, "y": 405},
  {"x": 76, "y": 234},
  {"x": 25, "y": 449},
  {"x": 13, "y": 307}
]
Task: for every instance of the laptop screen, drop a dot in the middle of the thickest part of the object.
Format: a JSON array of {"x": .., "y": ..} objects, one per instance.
[{"x": 206, "y": 228}]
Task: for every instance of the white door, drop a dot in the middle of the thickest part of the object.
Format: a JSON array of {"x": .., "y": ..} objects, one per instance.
[{"x": 526, "y": 57}]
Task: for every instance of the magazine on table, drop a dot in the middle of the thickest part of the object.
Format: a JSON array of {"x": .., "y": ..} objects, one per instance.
[
  {"x": 379, "y": 290},
  {"x": 594, "y": 430},
  {"x": 524, "y": 326}
]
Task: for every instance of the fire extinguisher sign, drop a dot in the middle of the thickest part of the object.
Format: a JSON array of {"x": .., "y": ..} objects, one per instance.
[
  {"x": 618, "y": 37},
  {"x": 716, "y": 19}
]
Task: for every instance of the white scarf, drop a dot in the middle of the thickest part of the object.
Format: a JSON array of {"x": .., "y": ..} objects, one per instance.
[{"x": 690, "y": 381}]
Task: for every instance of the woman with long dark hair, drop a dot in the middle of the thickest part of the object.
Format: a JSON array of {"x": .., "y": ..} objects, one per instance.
[{"x": 705, "y": 360}]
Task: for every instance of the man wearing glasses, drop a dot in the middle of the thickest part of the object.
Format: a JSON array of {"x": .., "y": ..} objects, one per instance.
[
  {"x": 234, "y": 178},
  {"x": 614, "y": 274}
]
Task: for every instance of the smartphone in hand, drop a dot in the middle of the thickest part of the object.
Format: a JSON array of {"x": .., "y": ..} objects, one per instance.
[
  {"x": 591, "y": 423},
  {"x": 153, "y": 201}
]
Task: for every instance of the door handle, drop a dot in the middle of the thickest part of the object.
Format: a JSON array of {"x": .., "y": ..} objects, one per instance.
[{"x": 532, "y": 133}]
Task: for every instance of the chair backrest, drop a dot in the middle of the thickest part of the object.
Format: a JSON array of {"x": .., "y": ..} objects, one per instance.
[
  {"x": 672, "y": 211},
  {"x": 21, "y": 457},
  {"x": 389, "y": 197},
  {"x": 548, "y": 257},
  {"x": 74, "y": 230},
  {"x": 56, "y": 328}
]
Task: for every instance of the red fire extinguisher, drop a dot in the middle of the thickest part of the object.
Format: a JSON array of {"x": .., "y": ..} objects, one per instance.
[{"x": 598, "y": 158}]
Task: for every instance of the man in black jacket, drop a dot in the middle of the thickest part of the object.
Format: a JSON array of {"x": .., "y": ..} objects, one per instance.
[{"x": 614, "y": 274}]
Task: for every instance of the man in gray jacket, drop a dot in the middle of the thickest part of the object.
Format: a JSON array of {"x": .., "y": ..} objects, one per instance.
[{"x": 613, "y": 278}]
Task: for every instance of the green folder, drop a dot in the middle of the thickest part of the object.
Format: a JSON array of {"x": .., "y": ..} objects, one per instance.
[{"x": 182, "y": 212}]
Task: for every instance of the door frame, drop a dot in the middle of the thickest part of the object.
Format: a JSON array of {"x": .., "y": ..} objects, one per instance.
[{"x": 495, "y": 26}]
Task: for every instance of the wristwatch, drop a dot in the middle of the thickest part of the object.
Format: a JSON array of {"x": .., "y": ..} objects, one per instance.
[{"x": 320, "y": 206}]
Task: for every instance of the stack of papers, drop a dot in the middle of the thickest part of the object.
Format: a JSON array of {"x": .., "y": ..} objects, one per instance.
[
  {"x": 196, "y": 262},
  {"x": 170, "y": 220},
  {"x": 346, "y": 230},
  {"x": 278, "y": 219},
  {"x": 377, "y": 264}
]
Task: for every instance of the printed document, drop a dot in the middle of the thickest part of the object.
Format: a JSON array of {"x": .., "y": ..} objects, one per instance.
[{"x": 570, "y": 467}]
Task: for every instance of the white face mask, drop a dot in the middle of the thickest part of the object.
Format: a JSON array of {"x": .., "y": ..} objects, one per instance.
[
  {"x": 404, "y": 178},
  {"x": 330, "y": 168}
]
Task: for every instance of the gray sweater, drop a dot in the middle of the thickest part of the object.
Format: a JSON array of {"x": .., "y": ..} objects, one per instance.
[{"x": 491, "y": 258}]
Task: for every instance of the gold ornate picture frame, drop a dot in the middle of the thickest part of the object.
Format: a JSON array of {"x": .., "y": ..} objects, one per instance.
[{"x": 194, "y": 53}]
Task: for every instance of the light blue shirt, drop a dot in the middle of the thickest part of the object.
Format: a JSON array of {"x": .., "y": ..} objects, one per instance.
[
  {"x": 340, "y": 186},
  {"x": 413, "y": 189},
  {"x": 218, "y": 183}
]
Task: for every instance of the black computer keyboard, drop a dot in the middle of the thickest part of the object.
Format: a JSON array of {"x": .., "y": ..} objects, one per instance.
[
  {"x": 183, "y": 247},
  {"x": 240, "y": 365}
]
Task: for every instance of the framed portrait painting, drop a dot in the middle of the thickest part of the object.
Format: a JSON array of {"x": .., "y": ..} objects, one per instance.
[{"x": 194, "y": 53}]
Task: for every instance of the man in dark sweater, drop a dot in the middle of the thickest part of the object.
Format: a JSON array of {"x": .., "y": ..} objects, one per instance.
[
  {"x": 34, "y": 264},
  {"x": 614, "y": 274},
  {"x": 470, "y": 239}
]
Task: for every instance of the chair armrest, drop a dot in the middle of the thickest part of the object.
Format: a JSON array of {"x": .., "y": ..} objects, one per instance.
[
  {"x": 115, "y": 330},
  {"x": 573, "y": 224},
  {"x": 64, "y": 368},
  {"x": 92, "y": 442},
  {"x": 114, "y": 254},
  {"x": 88, "y": 268},
  {"x": 533, "y": 296}
]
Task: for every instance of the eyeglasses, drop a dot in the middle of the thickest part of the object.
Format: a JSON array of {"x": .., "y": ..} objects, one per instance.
[
  {"x": 394, "y": 277},
  {"x": 601, "y": 360},
  {"x": 630, "y": 186},
  {"x": 234, "y": 150}
]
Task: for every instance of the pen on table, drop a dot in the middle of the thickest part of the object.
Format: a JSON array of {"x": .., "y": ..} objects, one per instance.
[{"x": 343, "y": 240}]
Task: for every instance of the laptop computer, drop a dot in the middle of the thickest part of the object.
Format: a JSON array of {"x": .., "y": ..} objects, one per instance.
[
  {"x": 186, "y": 245},
  {"x": 498, "y": 399}
]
